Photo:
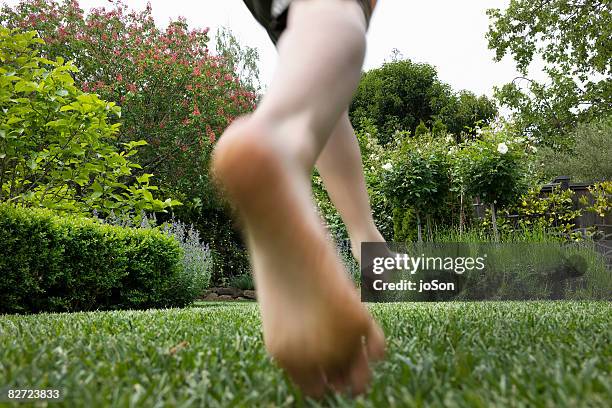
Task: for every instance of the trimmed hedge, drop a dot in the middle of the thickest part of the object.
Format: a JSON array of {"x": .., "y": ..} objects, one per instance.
[{"x": 54, "y": 264}]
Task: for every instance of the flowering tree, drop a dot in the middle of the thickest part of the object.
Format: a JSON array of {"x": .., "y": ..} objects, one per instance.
[{"x": 174, "y": 93}]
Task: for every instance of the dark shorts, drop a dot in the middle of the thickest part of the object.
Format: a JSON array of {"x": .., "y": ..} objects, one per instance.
[{"x": 262, "y": 11}]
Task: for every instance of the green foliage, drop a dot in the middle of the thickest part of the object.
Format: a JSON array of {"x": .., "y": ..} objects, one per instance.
[
  {"x": 418, "y": 177},
  {"x": 464, "y": 112},
  {"x": 492, "y": 168},
  {"x": 401, "y": 94},
  {"x": 574, "y": 40},
  {"x": 602, "y": 199},
  {"x": 489, "y": 354},
  {"x": 240, "y": 59},
  {"x": 427, "y": 180},
  {"x": 196, "y": 258},
  {"x": 405, "y": 228},
  {"x": 243, "y": 282},
  {"x": 439, "y": 128},
  {"x": 57, "y": 145},
  {"x": 588, "y": 158},
  {"x": 70, "y": 264},
  {"x": 553, "y": 213},
  {"x": 175, "y": 93},
  {"x": 421, "y": 130}
]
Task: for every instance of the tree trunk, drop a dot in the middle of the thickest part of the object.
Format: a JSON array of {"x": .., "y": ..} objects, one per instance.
[
  {"x": 494, "y": 220},
  {"x": 461, "y": 215},
  {"x": 419, "y": 232}
]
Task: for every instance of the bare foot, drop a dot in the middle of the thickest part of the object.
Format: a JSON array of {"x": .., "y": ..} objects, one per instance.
[{"x": 315, "y": 326}]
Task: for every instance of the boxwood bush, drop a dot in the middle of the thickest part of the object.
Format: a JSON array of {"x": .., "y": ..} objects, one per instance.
[{"x": 52, "y": 264}]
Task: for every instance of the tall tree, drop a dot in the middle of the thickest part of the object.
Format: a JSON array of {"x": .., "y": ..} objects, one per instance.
[
  {"x": 465, "y": 110},
  {"x": 574, "y": 40},
  {"x": 401, "y": 94}
]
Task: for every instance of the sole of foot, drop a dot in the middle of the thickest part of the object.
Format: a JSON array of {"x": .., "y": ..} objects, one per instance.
[{"x": 315, "y": 326}]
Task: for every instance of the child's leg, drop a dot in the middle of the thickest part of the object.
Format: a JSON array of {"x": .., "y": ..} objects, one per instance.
[
  {"x": 340, "y": 167},
  {"x": 314, "y": 324}
]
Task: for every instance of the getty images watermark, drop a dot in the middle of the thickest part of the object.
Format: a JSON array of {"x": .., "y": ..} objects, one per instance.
[
  {"x": 405, "y": 263},
  {"x": 443, "y": 272}
]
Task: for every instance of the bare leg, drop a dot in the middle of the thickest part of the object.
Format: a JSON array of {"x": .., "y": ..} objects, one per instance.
[
  {"x": 314, "y": 324},
  {"x": 340, "y": 167}
]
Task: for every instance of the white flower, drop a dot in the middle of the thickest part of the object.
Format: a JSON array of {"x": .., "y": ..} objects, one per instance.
[
  {"x": 387, "y": 166},
  {"x": 502, "y": 148},
  {"x": 534, "y": 149}
]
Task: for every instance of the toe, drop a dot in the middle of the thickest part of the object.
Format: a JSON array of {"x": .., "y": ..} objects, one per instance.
[
  {"x": 360, "y": 374},
  {"x": 375, "y": 342},
  {"x": 338, "y": 380},
  {"x": 310, "y": 380}
]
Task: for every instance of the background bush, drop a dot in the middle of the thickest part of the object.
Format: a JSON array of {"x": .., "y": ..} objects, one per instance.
[
  {"x": 60, "y": 264},
  {"x": 58, "y": 148},
  {"x": 589, "y": 157},
  {"x": 174, "y": 91},
  {"x": 197, "y": 257}
]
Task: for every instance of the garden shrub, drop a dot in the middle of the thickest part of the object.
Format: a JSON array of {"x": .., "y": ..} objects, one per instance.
[
  {"x": 174, "y": 92},
  {"x": 602, "y": 199},
  {"x": 554, "y": 213},
  {"x": 59, "y": 264},
  {"x": 493, "y": 168},
  {"x": 197, "y": 257},
  {"x": 418, "y": 178},
  {"x": 58, "y": 148},
  {"x": 243, "y": 282}
]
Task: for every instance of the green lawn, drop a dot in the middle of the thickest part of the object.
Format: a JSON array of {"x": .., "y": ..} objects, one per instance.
[{"x": 515, "y": 354}]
